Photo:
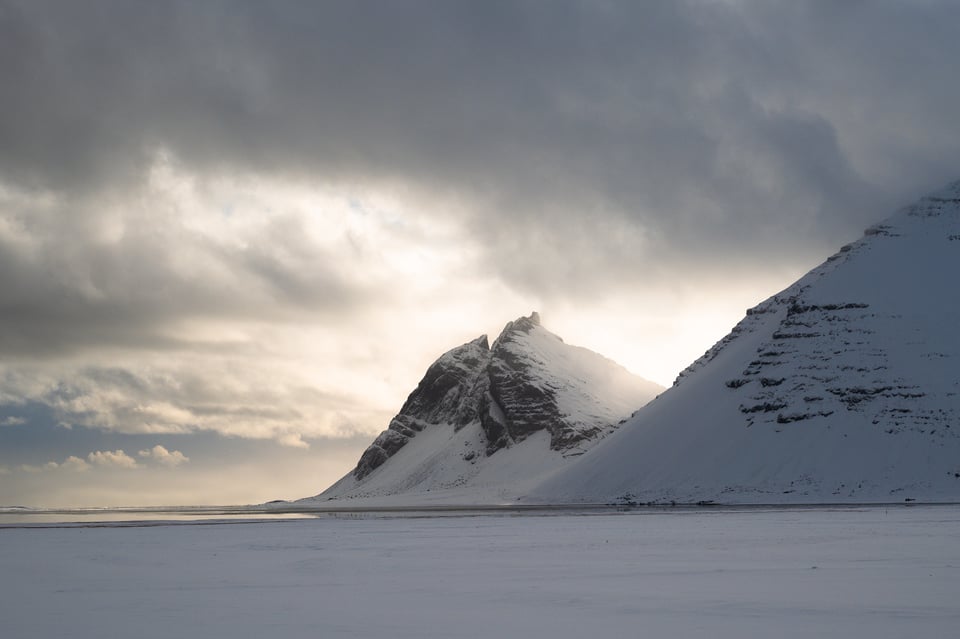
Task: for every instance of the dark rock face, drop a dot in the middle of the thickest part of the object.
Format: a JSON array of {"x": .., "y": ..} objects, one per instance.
[
  {"x": 511, "y": 389},
  {"x": 526, "y": 401},
  {"x": 448, "y": 382},
  {"x": 825, "y": 354},
  {"x": 444, "y": 395}
]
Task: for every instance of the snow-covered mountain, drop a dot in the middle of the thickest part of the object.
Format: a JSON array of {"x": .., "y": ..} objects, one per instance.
[
  {"x": 845, "y": 387},
  {"x": 485, "y": 422}
]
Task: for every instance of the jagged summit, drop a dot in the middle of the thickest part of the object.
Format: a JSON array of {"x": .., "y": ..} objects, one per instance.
[
  {"x": 843, "y": 387},
  {"x": 443, "y": 395},
  {"x": 481, "y": 342},
  {"x": 477, "y": 400},
  {"x": 525, "y": 324}
]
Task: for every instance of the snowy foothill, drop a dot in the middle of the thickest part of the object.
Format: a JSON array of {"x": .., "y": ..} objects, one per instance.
[{"x": 854, "y": 572}]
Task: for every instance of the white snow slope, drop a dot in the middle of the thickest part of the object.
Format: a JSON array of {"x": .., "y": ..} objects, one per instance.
[
  {"x": 448, "y": 463},
  {"x": 842, "y": 388}
]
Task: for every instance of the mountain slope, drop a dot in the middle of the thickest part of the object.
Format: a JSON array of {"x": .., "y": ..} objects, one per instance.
[
  {"x": 845, "y": 387},
  {"x": 485, "y": 422}
]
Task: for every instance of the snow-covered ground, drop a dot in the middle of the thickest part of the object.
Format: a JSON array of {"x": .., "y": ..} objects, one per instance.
[{"x": 869, "y": 572}]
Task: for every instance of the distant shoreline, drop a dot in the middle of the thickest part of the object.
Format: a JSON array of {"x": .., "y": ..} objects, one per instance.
[{"x": 22, "y": 517}]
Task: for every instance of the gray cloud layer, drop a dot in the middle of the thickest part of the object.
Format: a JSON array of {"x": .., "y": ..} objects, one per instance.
[
  {"x": 654, "y": 111},
  {"x": 583, "y": 149}
]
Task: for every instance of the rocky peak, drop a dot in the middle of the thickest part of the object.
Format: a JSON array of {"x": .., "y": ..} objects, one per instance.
[
  {"x": 481, "y": 342},
  {"x": 521, "y": 325},
  {"x": 445, "y": 382},
  {"x": 528, "y": 381},
  {"x": 439, "y": 397}
]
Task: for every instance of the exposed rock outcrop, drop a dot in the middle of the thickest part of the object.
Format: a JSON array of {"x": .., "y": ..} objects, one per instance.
[{"x": 446, "y": 394}]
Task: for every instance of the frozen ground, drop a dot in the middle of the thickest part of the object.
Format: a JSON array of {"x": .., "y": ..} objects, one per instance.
[{"x": 870, "y": 572}]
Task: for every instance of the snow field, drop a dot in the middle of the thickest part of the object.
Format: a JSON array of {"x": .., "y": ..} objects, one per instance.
[{"x": 870, "y": 572}]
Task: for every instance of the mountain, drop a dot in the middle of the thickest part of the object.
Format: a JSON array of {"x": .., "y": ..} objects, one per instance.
[
  {"x": 485, "y": 421},
  {"x": 841, "y": 388}
]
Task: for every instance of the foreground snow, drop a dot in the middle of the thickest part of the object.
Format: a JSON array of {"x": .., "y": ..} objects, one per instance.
[{"x": 786, "y": 573}]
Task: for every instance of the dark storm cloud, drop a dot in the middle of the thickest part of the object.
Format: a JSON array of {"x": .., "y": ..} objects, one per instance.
[
  {"x": 65, "y": 287},
  {"x": 586, "y": 144},
  {"x": 707, "y": 125}
]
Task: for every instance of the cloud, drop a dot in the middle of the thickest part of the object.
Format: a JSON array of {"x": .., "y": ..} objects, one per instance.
[
  {"x": 294, "y": 440},
  {"x": 39, "y": 468},
  {"x": 112, "y": 459},
  {"x": 167, "y": 458},
  {"x": 227, "y": 394},
  {"x": 75, "y": 463},
  {"x": 111, "y": 272},
  {"x": 234, "y": 472},
  {"x": 649, "y": 140},
  {"x": 70, "y": 463},
  {"x": 679, "y": 117},
  {"x": 13, "y": 421}
]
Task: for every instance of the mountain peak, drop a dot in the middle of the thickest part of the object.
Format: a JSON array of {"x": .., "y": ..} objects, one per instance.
[
  {"x": 481, "y": 342},
  {"x": 521, "y": 324},
  {"x": 476, "y": 400}
]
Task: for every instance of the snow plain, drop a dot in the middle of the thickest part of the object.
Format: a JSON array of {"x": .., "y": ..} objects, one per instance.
[{"x": 751, "y": 572}]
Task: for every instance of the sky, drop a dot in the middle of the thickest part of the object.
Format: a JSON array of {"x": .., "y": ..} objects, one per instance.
[{"x": 233, "y": 235}]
